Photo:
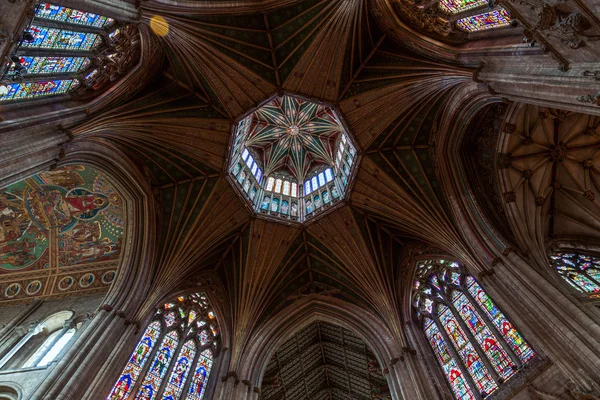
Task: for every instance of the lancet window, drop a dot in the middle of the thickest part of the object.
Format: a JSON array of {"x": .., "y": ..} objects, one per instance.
[
  {"x": 174, "y": 357},
  {"x": 475, "y": 344},
  {"x": 579, "y": 270},
  {"x": 66, "y": 51}
]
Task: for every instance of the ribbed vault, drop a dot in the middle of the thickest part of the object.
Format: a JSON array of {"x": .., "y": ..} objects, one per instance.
[
  {"x": 219, "y": 66},
  {"x": 324, "y": 362}
]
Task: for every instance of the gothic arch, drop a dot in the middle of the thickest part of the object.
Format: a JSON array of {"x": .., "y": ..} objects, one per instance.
[{"x": 322, "y": 308}]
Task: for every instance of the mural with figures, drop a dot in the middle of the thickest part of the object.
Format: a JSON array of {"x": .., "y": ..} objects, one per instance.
[{"x": 71, "y": 216}]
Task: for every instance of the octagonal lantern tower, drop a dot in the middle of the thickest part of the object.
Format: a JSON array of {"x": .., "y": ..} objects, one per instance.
[{"x": 292, "y": 159}]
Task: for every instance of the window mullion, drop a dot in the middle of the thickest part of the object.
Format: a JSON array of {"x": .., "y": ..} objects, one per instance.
[
  {"x": 193, "y": 366},
  {"x": 172, "y": 363},
  {"x": 490, "y": 324},
  {"x": 475, "y": 343},
  {"x": 144, "y": 371},
  {"x": 56, "y": 339},
  {"x": 457, "y": 358}
]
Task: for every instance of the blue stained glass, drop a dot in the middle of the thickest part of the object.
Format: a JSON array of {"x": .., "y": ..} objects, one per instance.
[
  {"x": 32, "y": 90},
  {"x": 132, "y": 370},
  {"x": 180, "y": 371},
  {"x": 158, "y": 369},
  {"x": 59, "y": 39},
  {"x": 64, "y": 14},
  {"x": 50, "y": 65},
  {"x": 200, "y": 378}
]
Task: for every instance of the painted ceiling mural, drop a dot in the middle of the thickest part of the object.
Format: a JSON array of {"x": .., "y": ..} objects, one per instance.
[{"x": 60, "y": 231}]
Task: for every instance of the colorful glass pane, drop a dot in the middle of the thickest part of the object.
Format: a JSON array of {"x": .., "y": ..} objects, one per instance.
[
  {"x": 506, "y": 329},
  {"x": 132, "y": 370},
  {"x": 158, "y": 369},
  {"x": 200, "y": 378},
  {"x": 449, "y": 366},
  {"x": 59, "y": 39},
  {"x": 579, "y": 270},
  {"x": 170, "y": 318},
  {"x": 466, "y": 351},
  {"x": 64, "y": 14},
  {"x": 486, "y": 339},
  {"x": 456, "y": 6},
  {"x": 180, "y": 371},
  {"x": 49, "y": 65},
  {"x": 488, "y": 20},
  {"x": 32, "y": 90}
]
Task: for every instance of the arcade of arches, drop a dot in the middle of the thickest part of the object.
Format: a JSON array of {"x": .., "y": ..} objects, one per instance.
[{"x": 300, "y": 199}]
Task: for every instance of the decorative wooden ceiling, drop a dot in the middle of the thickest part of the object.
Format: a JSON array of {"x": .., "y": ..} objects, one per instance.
[
  {"x": 219, "y": 66},
  {"x": 324, "y": 362}
]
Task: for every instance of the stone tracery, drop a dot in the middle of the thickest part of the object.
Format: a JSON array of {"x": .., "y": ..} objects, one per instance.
[{"x": 171, "y": 140}]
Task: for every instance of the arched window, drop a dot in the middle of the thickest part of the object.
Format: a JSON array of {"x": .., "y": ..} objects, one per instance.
[
  {"x": 43, "y": 344},
  {"x": 579, "y": 270},
  {"x": 476, "y": 345},
  {"x": 174, "y": 357},
  {"x": 67, "y": 51}
]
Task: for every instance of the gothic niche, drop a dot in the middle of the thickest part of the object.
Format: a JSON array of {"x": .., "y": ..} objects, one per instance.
[{"x": 292, "y": 159}]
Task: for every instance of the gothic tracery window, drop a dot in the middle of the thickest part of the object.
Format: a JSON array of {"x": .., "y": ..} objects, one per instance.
[
  {"x": 67, "y": 51},
  {"x": 579, "y": 270},
  {"x": 476, "y": 345},
  {"x": 174, "y": 357}
]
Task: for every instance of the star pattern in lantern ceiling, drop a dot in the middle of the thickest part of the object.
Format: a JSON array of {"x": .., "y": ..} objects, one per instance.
[{"x": 292, "y": 158}]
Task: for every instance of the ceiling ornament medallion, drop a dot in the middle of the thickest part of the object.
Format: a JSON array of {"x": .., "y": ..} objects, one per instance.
[{"x": 292, "y": 159}]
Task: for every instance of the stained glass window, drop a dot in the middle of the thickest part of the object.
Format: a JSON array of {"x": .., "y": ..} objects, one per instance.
[
  {"x": 136, "y": 362},
  {"x": 69, "y": 32},
  {"x": 579, "y": 270},
  {"x": 200, "y": 378},
  {"x": 16, "y": 91},
  {"x": 488, "y": 20},
  {"x": 175, "y": 351},
  {"x": 452, "y": 371},
  {"x": 467, "y": 332},
  {"x": 456, "y": 6},
  {"x": 48, "y": 65},
  {"x": 64, "y": 14},
  {"x": 180, "y": 371},
  {"x": 60, "y": 39}
]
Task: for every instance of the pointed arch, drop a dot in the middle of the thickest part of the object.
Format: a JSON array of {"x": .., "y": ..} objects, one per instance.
[
  {"x": 174, "y": 357},
  {"x": 477, "y": 347}
]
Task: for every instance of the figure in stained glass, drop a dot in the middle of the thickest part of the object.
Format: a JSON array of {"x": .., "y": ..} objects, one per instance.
[
  {"x": 285, "y": 207},
  {"x": 178, "y": 360},
  {"x": 265, "y": 203},
  {"x": 294, "y": 211},
  {"x": 461, "y": 317}
]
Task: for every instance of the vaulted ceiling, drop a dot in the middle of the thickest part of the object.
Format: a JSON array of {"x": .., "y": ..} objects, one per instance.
[{"x": 217, "y": 68}]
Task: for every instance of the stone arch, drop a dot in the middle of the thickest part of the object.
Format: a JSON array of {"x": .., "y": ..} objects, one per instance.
[
  {"x": 338, "y": 312},
  {"x": 10, "y": 392}
]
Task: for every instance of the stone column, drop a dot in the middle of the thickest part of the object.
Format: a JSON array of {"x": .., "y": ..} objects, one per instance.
[
  {"x": 75, "y": 374},
  {"x": 24, "y": 153},
  {"x": 548, "y": 319}
]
